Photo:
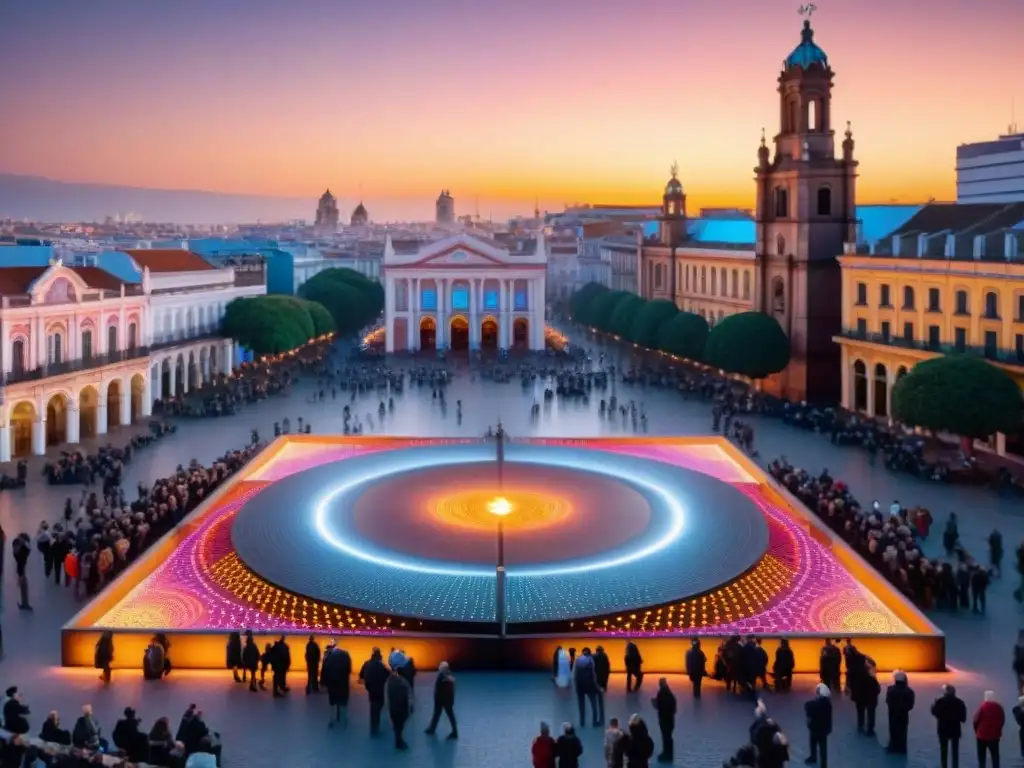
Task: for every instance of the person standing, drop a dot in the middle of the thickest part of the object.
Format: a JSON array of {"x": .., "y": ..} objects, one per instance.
[
  {"x": 22, "y": 548},
  {"x": 696, "y": 666},
  {"x": 568, "y": 748},
  {"x": 234, "y": 654},
  {"x": 819, "y": 724},
  {"x": 1018, "y": 716},
  {"x": 104, "y": 655},
  {"x": 250, "y": 660},
  {"x": 665, "y": 705},
  {"x": 612, "y": 753},
  {"x": 899, "y": 700},
  {"x": 337, "y": 670},
  {"x": 374, "y": 676},
  {"x": 585, "y": 680},
  {"x": 444, "y": 700},
  {"x": 865, "y": 691},
  {"x": 829, "y": 665},
  {"x": 636, "y": 745},
  {"x": 280, "y": 663},
  {"x": 542, "y": 750},
  {"x": 782, "y": 669},
  {"x": 634, "y": 667},
  {"x": 950, "y": 714},
  {"x": 988, "y": 722},
  {"x": 602, "y": 671},
  {"x": 312, "y": 666},
  {"x": 399, "y": 696}
]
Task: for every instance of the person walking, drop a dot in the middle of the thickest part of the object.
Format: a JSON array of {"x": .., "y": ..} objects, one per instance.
[
  {"x": 568, "y": 748},
  {"x": 444, "y": 700},
  {"x": 634, "y": 667},
  {"x": 819, "y": 724},
  {"x": 312, "y": 666},
  {"x": 665, "y": 705},
  {"x": 250, "y": 660},
  {"x": 899, "y": 700},
  {"x": 104, "y": 655},
  {"x": 399, "y": 697},
  {"x": 233, "y": 654},
  {"x": 22, "y": 548},
  {"x": 988, "y": 722},
  {"x": 280, "y": 663},
  {"x": 334, "y": 676},
  {"x": 696, "y": 666},
  {"x": 374, "y": 676},
  {"x": 585, "y": 680},
  {"x": 950, "y": 714}
]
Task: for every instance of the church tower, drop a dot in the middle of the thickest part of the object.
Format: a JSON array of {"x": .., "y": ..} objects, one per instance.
[
  {"x": 806, "y": 212},
  {"x": 326, "y": 222},
  {"x": 672, "y": 226}
]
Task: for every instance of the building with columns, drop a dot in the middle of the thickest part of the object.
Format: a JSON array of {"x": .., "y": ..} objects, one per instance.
[{"x": 464, "y": 292}]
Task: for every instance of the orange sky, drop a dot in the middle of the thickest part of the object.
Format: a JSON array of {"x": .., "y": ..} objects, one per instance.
[{"x": 563, "y": 100}]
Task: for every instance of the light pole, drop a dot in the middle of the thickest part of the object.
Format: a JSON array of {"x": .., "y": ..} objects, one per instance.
[{"x": 500, "y": 507}]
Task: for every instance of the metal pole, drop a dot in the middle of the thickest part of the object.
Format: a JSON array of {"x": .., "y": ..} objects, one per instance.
[{"x": 500, "y": 572}]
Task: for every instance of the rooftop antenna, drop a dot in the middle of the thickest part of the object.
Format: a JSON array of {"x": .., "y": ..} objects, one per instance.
[
  {"x": 807, "y": 10},
  {"x": 477, "y": 197},
  {"x": 1013, "y": 116}
]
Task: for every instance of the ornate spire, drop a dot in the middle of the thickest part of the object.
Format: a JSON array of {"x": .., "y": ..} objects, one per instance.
[{"x": 848, "y": 143}]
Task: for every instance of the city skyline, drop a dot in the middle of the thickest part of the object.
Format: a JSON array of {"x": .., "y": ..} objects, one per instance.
[{"x": 557, "y": 102}]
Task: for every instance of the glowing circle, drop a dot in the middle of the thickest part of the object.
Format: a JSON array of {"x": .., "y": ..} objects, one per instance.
[
  {"x": 500, "y": 506},
  {"x": 522, "y": 510}
]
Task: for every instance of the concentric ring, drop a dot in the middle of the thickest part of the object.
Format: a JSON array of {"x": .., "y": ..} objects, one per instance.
[{"x": 702, "y": 533}]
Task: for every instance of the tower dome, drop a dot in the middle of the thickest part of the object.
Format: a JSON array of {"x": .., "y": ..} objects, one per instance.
[
  {"x": 327, "y": 197},
  {"x": 807, "y": 54},
  {"x": 360, "y": 216}
]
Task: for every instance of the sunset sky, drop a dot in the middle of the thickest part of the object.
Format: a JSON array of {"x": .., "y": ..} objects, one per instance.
[{"x": 565, "y": 100}]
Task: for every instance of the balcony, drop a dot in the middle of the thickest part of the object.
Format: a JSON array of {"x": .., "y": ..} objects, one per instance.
[
  {"x": 73, "y": 366},
  {"x": 1005, "y": 356}
]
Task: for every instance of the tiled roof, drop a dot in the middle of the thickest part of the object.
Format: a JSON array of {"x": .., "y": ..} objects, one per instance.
[
  {"x": 95, "y": 277},
  {"x": 15, "y": 281},
  {"x": 168, "y": 260},
  {"x": 963, "y": 218}
]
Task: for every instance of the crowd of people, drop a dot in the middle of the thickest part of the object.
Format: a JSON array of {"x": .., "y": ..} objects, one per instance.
[
  {"x": 192, "y": 745},
  {"x": 890, "y": 539},
  {"x": 80, "y": 468}
]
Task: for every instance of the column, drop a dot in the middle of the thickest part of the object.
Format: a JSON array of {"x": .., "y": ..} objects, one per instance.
[
  {"x": 229, "y": 357},
  {"x": 171, "y": 383},
  {"x": 39, "y": 334},
  {"x": 844, "y": 362},
  {"x": 442, "y": 314},
  {"x": 389, "y": 314},
  {"x": 5, "y": 443},
  {"x": 502, "y": 314},
  {"x": 474, "y": 316},
  {"x": 147, "y": 394},
  {"x": 101, "y": 416},
  {"x": 184, "y": 377},
  {"x": 39, "y": 436},
  {"x": 74, "y": 424},
  {"x": 890, "y": 382},
  {"x": 871, "y": 390},
  {"x": 126, "y": 404}
]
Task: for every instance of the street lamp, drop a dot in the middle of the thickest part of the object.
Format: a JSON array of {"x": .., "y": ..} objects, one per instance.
[{"x": 501, "y": 508}]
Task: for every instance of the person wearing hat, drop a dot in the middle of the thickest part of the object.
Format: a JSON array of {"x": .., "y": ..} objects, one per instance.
[
  {"x": 899, "y": 700},
  {"x": 950, "y": 714},
  {"x": 819, "y": 724},
  {"x": 696, "y": 666},
  {"x": 15, "y": 712}
]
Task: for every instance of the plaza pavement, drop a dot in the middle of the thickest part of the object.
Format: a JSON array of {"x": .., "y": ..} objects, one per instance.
[{"x": 498, "y": 712}]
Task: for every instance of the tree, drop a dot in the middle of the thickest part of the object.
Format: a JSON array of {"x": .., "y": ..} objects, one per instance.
[
  {"x": 649, "y": 321},
  {"x": 323, "y": 323},
  {"x": 352, "y": 300},
  {"x": 960, "y": 394},
  {"x": 581, "y": 302},
  {"x": 685, "y": 335},
  {"x": 267, "y": 324},
  {"x": 750, "y": 344},
  {"x": 602, "y": 307},
  {"x": 626, "y": 311}
]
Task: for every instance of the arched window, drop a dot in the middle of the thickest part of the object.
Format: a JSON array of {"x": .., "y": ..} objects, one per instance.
[
  {"x": 55, "y": 348},
  {"x": 812, "y": 115},
  {"x": 908, "y": 297},
  {"x": 735, "y": 283},
  {"x": 132, "y": 336},
  {"x": 881, "y": 391},
  {"x": 992, "y": 305},
  {"x": 860, "y": 386},
  {"x": 825, "y": 201},
  {"x": 794, "y": 117},
  {"x": 112, "y": 339},
  {"x": 18, "y": 356},
  {"x": 746, "y": 286},
  {"x": 781, "y": 203},
  {"x": 780, "y": 245},
  {"x": 87, "y": 344},
  {"x": 778, "y": 296}
]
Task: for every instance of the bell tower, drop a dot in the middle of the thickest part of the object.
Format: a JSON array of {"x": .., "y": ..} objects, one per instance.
[{"x": 806, "y": 212}]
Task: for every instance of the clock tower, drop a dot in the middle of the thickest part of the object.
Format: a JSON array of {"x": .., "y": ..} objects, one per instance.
[{"x": 805, "y": 214}]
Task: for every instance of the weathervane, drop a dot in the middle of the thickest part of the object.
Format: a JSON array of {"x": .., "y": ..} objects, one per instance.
[
  {"x": 674, "y": 169},
  {"x": 807, "y": 10}
]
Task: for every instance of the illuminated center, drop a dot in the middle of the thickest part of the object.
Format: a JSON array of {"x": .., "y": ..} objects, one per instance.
[{"x": 499, "y": 506}]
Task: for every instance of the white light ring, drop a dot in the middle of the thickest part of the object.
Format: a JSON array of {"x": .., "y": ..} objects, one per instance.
[{"x": 675, "y": 509}]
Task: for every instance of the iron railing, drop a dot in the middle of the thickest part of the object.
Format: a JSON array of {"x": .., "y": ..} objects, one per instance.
[
  {"x": 996, "y": 354},
  {"x": 72, "y": 366}
]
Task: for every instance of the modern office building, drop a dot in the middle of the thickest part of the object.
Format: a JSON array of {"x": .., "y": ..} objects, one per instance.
[{"x": 991, "y": 171}]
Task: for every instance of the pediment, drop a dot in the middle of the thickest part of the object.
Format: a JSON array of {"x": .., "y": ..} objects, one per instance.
[{"x": 461, "y": 256}]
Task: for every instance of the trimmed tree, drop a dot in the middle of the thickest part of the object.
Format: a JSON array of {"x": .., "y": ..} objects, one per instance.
[
  {"x": 602, "y": 307},
  {"x": 581, "y": 301},
  {"x": 626, "y": 311},
  {"x": 652, "y": 317},
  {"x": 685, "y": 335},
  {"x": 750, "y": 344},
  {"x": 267, "y": 324},
  {"x": 961, "y": 394},
  {"x": 352, "y": 300},
  {"x": 323, "y": 323}
]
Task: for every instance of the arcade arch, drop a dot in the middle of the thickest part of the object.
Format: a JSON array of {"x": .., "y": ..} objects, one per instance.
[
  {"x": 489, "y": 333},
  {"x": 114, "y": 395},
  {"x": 23, "y": 416},
  {"x": 88, "y": 408},
  {"x": 138, "y": 394},
  {"x": 428, "y": 333},
  {"x": 520, "y": 333},
  {"x": 459, "y": 333},
  {"x": 57, "y": 419}
]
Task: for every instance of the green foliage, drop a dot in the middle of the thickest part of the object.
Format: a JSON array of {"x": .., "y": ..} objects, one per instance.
[
  {"x": 602, "y": 307},
  {"x": 960, "y": 394},
  {"x": 581, "y": 302},
  {"x": 652, "y": 317},
  {"x": 352, "y": 300},
  {"x": 323, "y": 323},
  {"x": 267, "y": 324},
  {"x": 626, "y": 311},
  {"x": 750, "y": 344},
  {"x": 685, "y": 335}
]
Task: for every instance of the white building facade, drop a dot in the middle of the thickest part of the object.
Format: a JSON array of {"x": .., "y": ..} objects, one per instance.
[
  {"x": 464, "y": 293},
  {"x": 991, "y": 171}
]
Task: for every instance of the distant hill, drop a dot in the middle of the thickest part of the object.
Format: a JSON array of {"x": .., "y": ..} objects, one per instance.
[{"x": 40, "y": 199}]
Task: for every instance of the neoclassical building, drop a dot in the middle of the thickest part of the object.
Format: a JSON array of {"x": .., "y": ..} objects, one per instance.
[{"x": 464, "y": 293}]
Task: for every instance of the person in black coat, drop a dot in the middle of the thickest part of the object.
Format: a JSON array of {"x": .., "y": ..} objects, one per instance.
[
  {"x": 696, "y": 666},
  {"x": 104, "y": 655},
  {"x": 444, "y": 701},
  {"x": 602, "y": 670},
  {"x": 950, "y": 714},
  {"x": 761, "y": 664},
  {"x": 819, "y": 724},
  {"x": 782, "y": 669},
  {"x": 865, "y": 691},
  {"x": 234, "y": 655},
  {"x": 128, "y": 737},
  {"x": 312, "y": 666},
  {"x": 568, "y": 747},
  {"x": 53, "y": 733},
  {"x": 15, "y": 712},
  {"x": 899, "y": 698},
  {"x": 634, "y": 666},
  {"x": 829, "y": 666},
  {"x": 280, "y": 663},
  {"x": 250, "y": 659},
  {"x": 374, "y": 676},
  {"x": 665, "y": 705},
  {"x": 334, "y": 677}
]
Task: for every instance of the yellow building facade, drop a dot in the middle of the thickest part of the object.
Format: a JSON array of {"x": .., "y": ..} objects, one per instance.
[{"x": 899, "y": 310}]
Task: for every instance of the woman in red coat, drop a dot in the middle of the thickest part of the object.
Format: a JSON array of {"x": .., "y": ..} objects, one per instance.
[
  {"x": 543, "y": 749},
  {"x": 988, "y": 728}
]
